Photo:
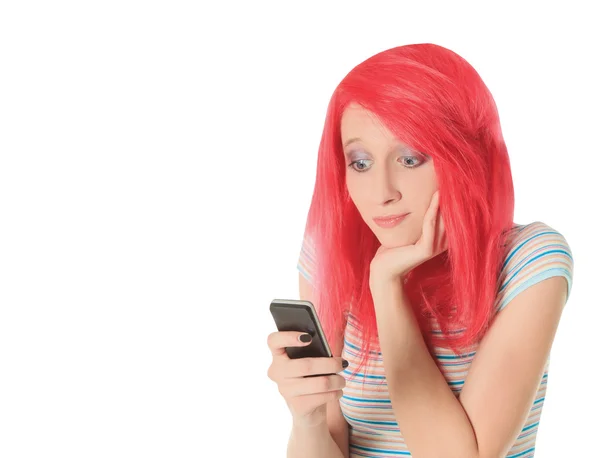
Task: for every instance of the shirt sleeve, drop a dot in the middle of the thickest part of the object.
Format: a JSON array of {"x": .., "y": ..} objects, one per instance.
[
  {"x": 538, "y": 252},
  {"x": 306, "y": 261}
]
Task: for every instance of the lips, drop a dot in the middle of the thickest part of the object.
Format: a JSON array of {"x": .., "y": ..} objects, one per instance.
[{"x": 390, "y": 221}]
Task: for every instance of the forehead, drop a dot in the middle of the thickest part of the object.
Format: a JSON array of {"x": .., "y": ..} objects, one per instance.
[{"x": 360, "y": 123}]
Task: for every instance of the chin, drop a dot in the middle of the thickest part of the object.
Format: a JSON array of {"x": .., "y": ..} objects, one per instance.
[{"x": 394, "y": 240}]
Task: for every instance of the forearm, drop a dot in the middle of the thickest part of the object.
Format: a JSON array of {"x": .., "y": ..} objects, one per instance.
[
  {"x": 431, "y": 418},
  {"x": 314, "y": 441}
]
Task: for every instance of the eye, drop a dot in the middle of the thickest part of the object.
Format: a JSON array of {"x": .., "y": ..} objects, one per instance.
[
  {"x": 411, "y": 161},
  {"x": 361, "y": 165}
]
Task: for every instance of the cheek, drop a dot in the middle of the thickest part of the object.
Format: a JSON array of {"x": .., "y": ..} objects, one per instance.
[{"x": 357, "y": 194}]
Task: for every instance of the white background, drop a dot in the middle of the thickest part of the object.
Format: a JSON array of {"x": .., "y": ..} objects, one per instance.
[{"x": 157, "y": 163}]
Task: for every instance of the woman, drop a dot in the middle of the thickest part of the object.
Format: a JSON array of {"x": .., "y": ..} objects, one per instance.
[{"x": 440, "y": 310}]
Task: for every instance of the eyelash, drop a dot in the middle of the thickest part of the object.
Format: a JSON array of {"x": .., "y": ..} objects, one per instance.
[{"x": 362, "y": 171}]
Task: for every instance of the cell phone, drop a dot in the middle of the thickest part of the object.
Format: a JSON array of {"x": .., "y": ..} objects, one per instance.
[{"x": 299, "y": 315}]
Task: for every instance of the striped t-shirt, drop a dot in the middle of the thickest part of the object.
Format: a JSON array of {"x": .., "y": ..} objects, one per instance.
[{"x": 534, "y": 252}]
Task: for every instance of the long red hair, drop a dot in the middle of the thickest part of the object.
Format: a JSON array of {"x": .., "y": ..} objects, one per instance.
[{"x": 435, "y": 102}]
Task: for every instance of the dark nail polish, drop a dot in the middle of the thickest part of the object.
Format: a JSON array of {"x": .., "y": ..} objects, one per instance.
[
  {"x": 344, "y": 363},
  {"x": 305, "y": 338}
]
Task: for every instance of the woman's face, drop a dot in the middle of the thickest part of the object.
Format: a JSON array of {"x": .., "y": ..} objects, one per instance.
[{"x": 384, "y": 177}]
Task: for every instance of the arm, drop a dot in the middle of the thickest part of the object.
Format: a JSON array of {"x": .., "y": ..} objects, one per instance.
[
  {"x": 501, "y": 385},
  {"x": 314, "y": 441},
  {"x": 330, "y": 439}
]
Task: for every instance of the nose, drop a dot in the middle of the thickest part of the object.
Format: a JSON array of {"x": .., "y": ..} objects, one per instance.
[{"x": 387, "y": 191}]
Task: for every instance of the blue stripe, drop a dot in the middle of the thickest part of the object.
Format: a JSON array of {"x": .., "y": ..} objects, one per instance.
[
  {"x": 382, "y": 401},
  {"x": 369, "y": 422},
  {"x": 304, "y": 273},
  {"x": 529, "y": 450},
  {"x": 308, "y": 253},
  {"x": 380, "y": 450},
  {"x": 518, "y": 247},
  {"x": 543, "y": 275},
  {"x": 444, "y": 357},
  {"x": 360, "y": 374},
  {"x": 460, "y": 363},
  {"x": 529, "y": 433},
  {"x": 450, "y": 357},
  {"x": 527, "y": 428},
  {"x": 546, "y": 253},
  {"x": 538, "y": 407},
  {"x": 357, "y": 348}
]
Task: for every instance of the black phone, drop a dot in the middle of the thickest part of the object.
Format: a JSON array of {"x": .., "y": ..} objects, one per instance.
[{"x": 299, "y": 315}]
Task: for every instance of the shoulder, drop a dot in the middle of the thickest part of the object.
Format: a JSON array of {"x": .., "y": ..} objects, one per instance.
[{"x": 533, "y": 252}]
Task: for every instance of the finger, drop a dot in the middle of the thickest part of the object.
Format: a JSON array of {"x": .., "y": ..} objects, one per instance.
[
  {"x": 437, "y": 235},
  {"x": 433, "y": 207},
  {"x": 304, "y": 386},
  {"x": 442, "y": 239},
  {"x": 435, "y": 201},
  {"x": 303, "y": 405},
  {"x": 302, "y": 367},
  {"x": 429, "y": 224},
  {"x": 286, "y": 369},
  {"x": 278, "y": 341}
]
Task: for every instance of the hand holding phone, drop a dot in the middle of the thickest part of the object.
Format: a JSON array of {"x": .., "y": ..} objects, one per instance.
[
  {"x": 305, "y": 372},
  {"x": 301, "y": 316}
]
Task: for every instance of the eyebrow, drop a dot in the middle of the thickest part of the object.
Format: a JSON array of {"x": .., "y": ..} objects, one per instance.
[
  {"x": 352, "y": 140},
  {"x": 404, "y": 147}
]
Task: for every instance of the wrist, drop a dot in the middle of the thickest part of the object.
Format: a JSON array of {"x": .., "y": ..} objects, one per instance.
[
  {"x": 313, "y": 420},
  {"x": 379, "y": 283},
  {"x": 390, "y": 291},
  {"x": 381, "y": 273}
]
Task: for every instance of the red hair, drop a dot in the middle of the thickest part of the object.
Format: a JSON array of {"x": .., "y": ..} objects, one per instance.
[{"x": 436, "y": 103}]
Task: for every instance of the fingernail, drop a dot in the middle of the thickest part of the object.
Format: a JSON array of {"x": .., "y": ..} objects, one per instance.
[
  {"x": 344, "y": 363},
  {"x": 305, "y": 338}
]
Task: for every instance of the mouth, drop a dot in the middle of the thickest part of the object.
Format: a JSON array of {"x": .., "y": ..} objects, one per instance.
[{"x": 390, "y": 221}]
